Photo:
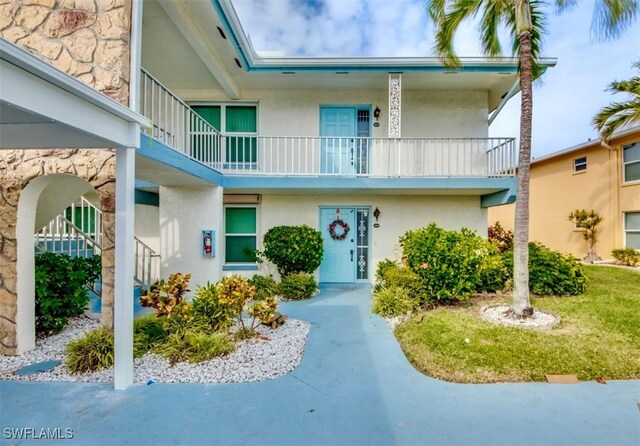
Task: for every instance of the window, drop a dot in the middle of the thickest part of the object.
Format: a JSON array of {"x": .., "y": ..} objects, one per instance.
[
  {"x": 631, "y": 162},
  {"x": 239, "y": 123},
  {"x": 580, "y": 164},
  {"x": 240, "y": 226},
  {"x": 632, "y": 230}
]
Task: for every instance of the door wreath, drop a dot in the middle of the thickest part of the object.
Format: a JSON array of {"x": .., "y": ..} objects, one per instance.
[{"x": 332, "y": 230}]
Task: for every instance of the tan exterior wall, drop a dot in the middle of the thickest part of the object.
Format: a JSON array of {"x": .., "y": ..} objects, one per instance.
[
  {"x": 88, "y": 39},
  {"x": 556, "y": 190}
]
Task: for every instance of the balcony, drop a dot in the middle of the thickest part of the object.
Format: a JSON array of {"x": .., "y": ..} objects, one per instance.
[{"x": 178, "y": 127}]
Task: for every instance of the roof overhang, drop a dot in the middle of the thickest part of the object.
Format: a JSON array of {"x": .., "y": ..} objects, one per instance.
[{"x": 42, "y": 107}]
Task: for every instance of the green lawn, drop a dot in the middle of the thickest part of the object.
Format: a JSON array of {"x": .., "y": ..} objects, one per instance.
[{"x": 599, "y": 336}]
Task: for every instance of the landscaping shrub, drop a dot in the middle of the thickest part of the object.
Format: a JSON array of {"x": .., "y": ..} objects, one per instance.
[
  {"x": 627, "y": 256},
  {"x": 551, "y": 272},
  {"x": 194, "y": 346},
  {"x": 148, "y": 331},
  {"x": 298, "y": 286},
  {"x": 236, "y": 293},
  {"x": 393, "y": 301},
  {"x": 500, "y": 237},
  {"x": 94, "y": 351},
  {"x": 391, "y": 274},
  {"x": 293, "y": 249},
  {"x": 265, "y": 286},
  {"x": 61, "y": 288},
  {"x": 208, "y": 311},
  {"x": 452, "y": 264},
  {"x": 164, "y": 295}
]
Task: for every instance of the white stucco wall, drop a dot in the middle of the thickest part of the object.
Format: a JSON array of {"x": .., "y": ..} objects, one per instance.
[
  {"x": 183, "y": 214},
  {"x": 399, "y": 214},
  {"x": 147, "y": 225},
  {"x": 425, "y": 113}
]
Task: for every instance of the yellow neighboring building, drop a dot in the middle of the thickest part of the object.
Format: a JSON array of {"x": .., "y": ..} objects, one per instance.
[{"x": 587, "y": 176}]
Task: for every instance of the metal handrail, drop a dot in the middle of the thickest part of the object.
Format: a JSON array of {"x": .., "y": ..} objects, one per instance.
[{"x": 146, "y": 267}]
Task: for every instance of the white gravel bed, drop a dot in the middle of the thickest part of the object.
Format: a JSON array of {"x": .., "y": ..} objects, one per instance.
[
  {"x": 501, "y": 314},
  {"x": 395, "y": 321},
  {"x": 276, "y": 353}
]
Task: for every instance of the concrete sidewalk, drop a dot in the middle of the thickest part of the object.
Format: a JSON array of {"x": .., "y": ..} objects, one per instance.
[{"x": 354, "y": 386}]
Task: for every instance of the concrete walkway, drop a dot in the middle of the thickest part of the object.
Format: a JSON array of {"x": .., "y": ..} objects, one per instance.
[{"x": 354, "y": 386}]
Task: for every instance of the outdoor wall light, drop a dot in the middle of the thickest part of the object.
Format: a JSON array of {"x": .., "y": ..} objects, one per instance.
[
  {"x": 376, "y": 213},
  {"x": 376, "y": 114}
]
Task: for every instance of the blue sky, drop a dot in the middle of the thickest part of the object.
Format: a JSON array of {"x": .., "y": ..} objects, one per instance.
[{"x": 565, "y": 99}]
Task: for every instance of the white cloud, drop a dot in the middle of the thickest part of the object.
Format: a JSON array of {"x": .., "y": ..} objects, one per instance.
[{"x": 564, "y": 104}]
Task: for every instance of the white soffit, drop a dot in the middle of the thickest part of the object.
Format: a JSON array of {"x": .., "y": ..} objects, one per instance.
[{"x": 42, "y": 107}]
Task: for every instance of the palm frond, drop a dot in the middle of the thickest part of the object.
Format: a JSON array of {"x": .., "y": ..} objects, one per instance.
[
  {"x": 631, "y": 86},
  {"x": 489, "y": 27},
  {"x": 612, "y": 17},
  {"x": 565, "y": 5},
  {"x": 448, "y": 24},
  {"x": 615, "y": 116}
]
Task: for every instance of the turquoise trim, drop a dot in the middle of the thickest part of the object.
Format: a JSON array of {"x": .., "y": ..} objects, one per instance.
[
  {"x": 152, "y": 149},
  {"x": 330, "y": 182},
  {"x": 240, "y": 268},
  {"x": 231, "y": 34},
  {"x": 147, "y": 198},
  {"x": 507, "y": 196}
]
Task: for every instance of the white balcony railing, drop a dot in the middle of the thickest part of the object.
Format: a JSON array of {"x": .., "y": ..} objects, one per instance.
[
  {"x": 369, "y": 157},
  {"x": 177, "y": 126}
]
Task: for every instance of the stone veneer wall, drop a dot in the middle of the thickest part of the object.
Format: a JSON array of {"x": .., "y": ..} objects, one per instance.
[{"x": 88, "y": 39}]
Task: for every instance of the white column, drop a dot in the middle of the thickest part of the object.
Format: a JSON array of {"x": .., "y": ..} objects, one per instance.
[
  {"x": 395, "y": 104},
  {"x": 124, "y": 269},
  {"x": 184, "y": 213}
]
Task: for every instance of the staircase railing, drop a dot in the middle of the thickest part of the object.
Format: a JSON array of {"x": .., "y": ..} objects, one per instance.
[
  {"x": 62, "y": 235},
  {"x": 176, "y": 125},
  {"x": 147, "y": 264}
]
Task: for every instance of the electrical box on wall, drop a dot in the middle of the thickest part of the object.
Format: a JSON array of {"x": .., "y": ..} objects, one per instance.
[{"x": 209, "y": 243}]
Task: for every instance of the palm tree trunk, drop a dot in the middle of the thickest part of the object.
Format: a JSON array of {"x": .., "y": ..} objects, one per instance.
[{"x": 521, "y": 305}]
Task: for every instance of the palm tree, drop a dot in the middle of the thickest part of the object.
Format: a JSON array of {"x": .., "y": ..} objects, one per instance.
[
  {"x": 618, "y": 114},
  {"x": 525, "y": 21}
]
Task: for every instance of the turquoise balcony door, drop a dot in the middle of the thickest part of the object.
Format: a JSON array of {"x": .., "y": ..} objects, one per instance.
[
  {"x": 340, "y": 256},
  {"x": 338, "y": 131}
]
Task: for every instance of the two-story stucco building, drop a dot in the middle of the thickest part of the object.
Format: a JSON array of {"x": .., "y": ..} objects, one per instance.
[
  {"x": 586, "y": 176},
  {"x": 233, "y": 144}
]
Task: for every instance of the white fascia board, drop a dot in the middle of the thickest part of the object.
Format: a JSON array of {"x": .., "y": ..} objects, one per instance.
[
  {"x": 117, "y": 126},
  {"x": 22, "y": 59}
]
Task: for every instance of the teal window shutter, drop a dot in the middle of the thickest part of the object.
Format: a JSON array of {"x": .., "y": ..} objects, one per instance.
[{"x": 241, "y": 119}]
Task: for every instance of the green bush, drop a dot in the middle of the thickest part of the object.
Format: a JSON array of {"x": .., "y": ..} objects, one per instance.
[
  {"x": 194, "y": 346},
  {"x": 627, "y": 256},
  {"x": 94, "y": 351},
  {"x": 148, "y": 331},
  {"x": 393, "y": 301},
  {"x": 383, "y": 266},
  {"x": 293, "y": 249},
  {"x": 298, "y": 286},
  {"x": 551, "y": 273},
  {"x": 392, "y": 275},
  {"x": 208, "y": 311},
  {"x": 61, "y": 288},
  {"x": 265, "y": 286},
  {"x": 451, "y": 264}
]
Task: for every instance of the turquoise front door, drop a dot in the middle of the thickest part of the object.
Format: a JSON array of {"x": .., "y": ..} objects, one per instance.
[
  {"x": 340, "y": 256},
  {"x": 338, "y": 131}
]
